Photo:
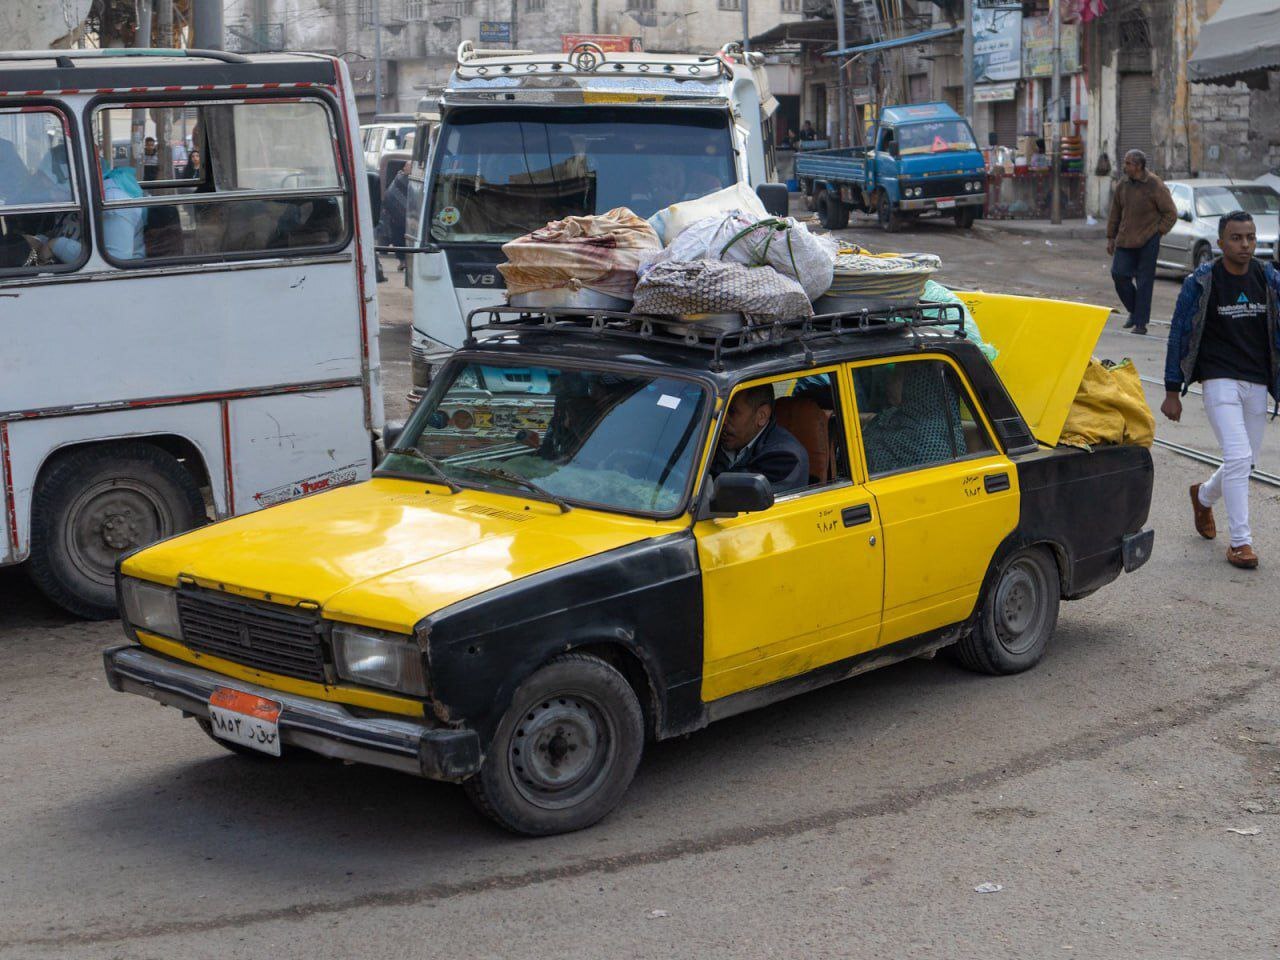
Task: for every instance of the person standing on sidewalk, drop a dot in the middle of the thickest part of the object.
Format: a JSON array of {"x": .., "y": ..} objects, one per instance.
[
  {"x": 1142, "y": 211},
  {"x": 1226, "y": 334}
]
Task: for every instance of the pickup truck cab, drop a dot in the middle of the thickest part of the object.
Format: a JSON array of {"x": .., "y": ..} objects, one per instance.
[
  {"x": 923, "y": 160},
  {"x": 552, "y": 565}
]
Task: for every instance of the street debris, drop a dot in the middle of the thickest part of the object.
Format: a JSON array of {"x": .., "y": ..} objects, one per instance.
[
  {"x": 658, "y": 914},
  {"x": 1245, "y": 831},
  {"x": 988, "y": 888},
  {"x": 1254, "y": 807}
]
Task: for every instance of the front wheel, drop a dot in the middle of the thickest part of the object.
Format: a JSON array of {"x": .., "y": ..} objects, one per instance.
[
  {"x": 92, "y": 505},
  {"x": 890, "y": 222},
  {"x": 565, "y": 751},
  {"x": 1019, "y": 614},
  {"x": 965, "y": 216}
]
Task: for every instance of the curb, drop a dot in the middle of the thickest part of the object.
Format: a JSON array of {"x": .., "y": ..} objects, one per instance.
[{"x": 1048, "y": 232}]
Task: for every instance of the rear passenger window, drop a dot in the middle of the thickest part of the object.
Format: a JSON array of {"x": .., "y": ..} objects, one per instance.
[
  {"x": 219, "y": 180},
  {"x": 40, "y": 221},
  {"x": 915, "y": 414}
]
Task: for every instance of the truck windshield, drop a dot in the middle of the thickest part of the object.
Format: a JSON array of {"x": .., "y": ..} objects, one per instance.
[
  {"x": 935, "y": 136},
  {"x": 503, "y": 173},
  {"x": 596, "y": 437}
]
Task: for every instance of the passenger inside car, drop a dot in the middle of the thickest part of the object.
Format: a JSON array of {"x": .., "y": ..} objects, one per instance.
[
  {"x": 914, "y": 416},
  {"x": 752, "y": 441}
]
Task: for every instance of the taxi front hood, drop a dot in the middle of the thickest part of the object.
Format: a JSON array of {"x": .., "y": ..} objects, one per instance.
[
  {"x": 387, "y": 552},
  {"x": 1044, "y": 348}
]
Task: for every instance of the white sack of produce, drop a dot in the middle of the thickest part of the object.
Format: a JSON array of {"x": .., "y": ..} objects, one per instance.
[
  {"x": 675, "y": 287},
  {"x": 781, "y": 243},
  {"x": 598, "y": 252},
  {"x": 671, "y": 221}
]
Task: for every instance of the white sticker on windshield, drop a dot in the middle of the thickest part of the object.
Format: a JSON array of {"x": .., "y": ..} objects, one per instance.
[{"x": 668, "y": 401}]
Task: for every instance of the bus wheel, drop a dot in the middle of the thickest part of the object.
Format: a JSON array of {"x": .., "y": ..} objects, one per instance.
[{"x": 93, "y": 504}]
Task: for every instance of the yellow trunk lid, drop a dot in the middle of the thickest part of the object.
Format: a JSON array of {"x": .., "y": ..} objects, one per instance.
[
  {"x": 1044, "y": 347},
  {"x": 387, "y": 552}
]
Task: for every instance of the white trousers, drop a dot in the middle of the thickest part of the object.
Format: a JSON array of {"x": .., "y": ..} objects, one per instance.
[{"x": 1237, "y": 411}]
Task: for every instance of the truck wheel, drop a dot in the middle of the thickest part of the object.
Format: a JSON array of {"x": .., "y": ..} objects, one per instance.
[
  {"x": 1019, "y": 614},
  {"x": 832, "y": 213},
  {"x": 93, "y": 504},
  {"x": 565, "y": 751},
  {"x": 890, "y": 222},
  {"x": 964, "y": 217}
]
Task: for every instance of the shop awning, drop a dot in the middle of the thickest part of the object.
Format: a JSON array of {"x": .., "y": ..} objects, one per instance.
[
  {"x": 1239, "y": 42},
  {"x": 915, "y": 38}
]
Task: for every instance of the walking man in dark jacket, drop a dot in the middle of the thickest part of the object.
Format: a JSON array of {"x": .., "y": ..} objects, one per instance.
[
  {"x": 1142, "y": 211},
  {"x": 1226, "y": 334}
]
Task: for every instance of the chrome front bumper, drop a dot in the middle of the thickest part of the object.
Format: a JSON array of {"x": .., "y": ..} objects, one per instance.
[
  {"x": 329, "y": 729},
  {"x": 931, "y": 203}
]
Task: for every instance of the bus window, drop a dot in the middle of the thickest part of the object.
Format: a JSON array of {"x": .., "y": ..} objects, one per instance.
[
  {"x": 231, "y": 179},
  {"x": 40, "y": 219}
]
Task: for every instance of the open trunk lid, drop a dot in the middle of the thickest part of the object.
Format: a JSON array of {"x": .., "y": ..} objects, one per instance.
[{"x": 1044, "y": 347}]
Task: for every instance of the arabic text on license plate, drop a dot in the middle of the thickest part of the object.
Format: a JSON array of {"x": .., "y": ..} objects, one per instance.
[
  {"x": 946, "y": 204},
  {"x": 245, "y": 719}
]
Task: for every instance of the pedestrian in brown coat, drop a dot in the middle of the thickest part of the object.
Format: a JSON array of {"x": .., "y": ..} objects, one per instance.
[{"x": 1142, "y": 211}]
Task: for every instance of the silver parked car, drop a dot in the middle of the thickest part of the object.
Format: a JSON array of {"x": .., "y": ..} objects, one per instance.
[{"x": 1194, "y": 237}]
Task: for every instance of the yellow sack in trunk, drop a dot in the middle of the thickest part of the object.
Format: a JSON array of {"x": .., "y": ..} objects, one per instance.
[{"x": 1110, "y": 407}]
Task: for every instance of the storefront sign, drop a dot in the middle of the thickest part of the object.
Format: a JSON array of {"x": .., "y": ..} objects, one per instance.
[
  {"x": 997, "y": 43},
  {"x": 609, "y": 43},
  {"x": 1037, "y": 47},
  {"x": 991, "y": 92},
  {"x": 495, "y": 31}
]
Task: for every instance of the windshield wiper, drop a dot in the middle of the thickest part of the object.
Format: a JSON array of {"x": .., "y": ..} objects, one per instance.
[
  {"x": 520, "y": 481},
  {"x": 432, "y": 464}
]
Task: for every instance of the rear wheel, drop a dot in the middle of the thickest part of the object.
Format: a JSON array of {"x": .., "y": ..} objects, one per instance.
[
  {"x": 890, "y": 222},
  {"x": 92, "y": 505},
  {"x": 565, "y": 751},
  {"x": 832, "y": 213},
  {"x": 1019, "y": 614}
]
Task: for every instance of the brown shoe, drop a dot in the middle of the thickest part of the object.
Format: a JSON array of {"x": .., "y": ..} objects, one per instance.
[
  {"x": 1203, "y": 515},
  {"x": 1242, "y": 557}
]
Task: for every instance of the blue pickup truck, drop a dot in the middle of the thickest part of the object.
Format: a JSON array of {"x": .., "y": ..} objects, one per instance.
[{"x": 925, "y": 159}]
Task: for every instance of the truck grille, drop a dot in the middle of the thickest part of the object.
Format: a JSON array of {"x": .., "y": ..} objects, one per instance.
[
  {"x": 945, "y": 188},
  {"x": 259, "y": 635}
]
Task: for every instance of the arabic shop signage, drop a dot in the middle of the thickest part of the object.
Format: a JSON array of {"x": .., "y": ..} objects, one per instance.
[
  {"x": 1037, "y": 47},
  {"x": 997, "y": 43},
  {"x": 495, "y": 31}
]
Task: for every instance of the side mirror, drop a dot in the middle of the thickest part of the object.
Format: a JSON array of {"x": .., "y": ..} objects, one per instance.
[
  {"x": 735, "y": 493},
  {"x": 1185, "y": 215},
  {"x": 391, "y": 431},
  {"x": 375, "y": 195},
  {"x": 774, "y": 196}
]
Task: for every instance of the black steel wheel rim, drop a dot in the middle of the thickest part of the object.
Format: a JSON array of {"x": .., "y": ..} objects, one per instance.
[
  {"x": 561, "y": 750},
  {"x": 1021, "y": 608}
]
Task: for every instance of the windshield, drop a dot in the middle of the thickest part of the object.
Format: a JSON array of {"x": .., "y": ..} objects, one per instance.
[
  {"x": 505, "y": 173},
  {"x": 618, "y": 440},
  {"x": 1215, "y": 201},
  {"x": 936, "y": 136}
]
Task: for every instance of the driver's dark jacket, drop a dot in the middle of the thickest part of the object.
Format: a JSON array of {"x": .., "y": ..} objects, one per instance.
[{"x": 774, "y": 453}]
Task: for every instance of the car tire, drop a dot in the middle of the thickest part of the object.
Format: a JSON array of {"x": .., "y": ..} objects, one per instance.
[
  {"x": 1203, "y": 254},
  {"x": 890, "y": 222},
  {"x": 532, "y": 780},
  {"x": 93, "y": 504},
  {"x": 1019, "y": 613}
]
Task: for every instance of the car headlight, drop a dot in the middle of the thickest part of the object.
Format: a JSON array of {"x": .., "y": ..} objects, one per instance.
[
  {"x": 151, "y": 607},
  {"x": 378, "y": 659}
]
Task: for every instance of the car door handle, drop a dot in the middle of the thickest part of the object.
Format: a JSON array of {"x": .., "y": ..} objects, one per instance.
[
  {"x": 995, "y": 482},
  {"x": 853, "y": 516}
]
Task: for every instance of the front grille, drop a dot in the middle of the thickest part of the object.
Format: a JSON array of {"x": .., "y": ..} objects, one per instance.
[
  {"x": 947, "y": 187},
  {"x": 259, "y": 635}
]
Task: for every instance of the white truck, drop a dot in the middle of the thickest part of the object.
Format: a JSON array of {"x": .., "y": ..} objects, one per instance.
[{"x": 526, "y": 138}]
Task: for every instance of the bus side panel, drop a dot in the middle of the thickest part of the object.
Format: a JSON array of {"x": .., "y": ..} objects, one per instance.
[
  {"x": 289, "y": 445},
  {"x": 32, "y": 442}
]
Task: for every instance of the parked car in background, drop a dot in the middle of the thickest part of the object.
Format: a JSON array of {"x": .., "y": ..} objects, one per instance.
[
  {"x": 387, "y": 132},
  {"x": 1194, "y": 237}
]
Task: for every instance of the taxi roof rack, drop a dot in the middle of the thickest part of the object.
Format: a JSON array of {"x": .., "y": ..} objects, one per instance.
[{"x": 719, "y": 342}]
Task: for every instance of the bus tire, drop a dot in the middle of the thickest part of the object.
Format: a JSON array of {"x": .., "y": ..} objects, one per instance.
[{"x": 94, "y": 503}]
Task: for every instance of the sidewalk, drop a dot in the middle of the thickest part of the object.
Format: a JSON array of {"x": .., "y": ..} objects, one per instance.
[{"x": 1067, "y": 229}]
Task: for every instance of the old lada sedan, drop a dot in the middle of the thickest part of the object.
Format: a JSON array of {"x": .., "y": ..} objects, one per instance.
[{"x": 558, "y": 560}]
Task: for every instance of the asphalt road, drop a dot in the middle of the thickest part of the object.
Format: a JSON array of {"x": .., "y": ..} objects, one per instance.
[{"x": 1097, "y": 790}]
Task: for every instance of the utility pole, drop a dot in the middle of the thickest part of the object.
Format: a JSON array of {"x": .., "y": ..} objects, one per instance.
[
  {"x": 377, "y": 57},
  {"x": 746, "y": 26},
  {"x": 206, "y": 25},
  {"x": 968, "y": 60},
  {"x": 842, "y": 95},
  {"x": 1055, "y": 151}
]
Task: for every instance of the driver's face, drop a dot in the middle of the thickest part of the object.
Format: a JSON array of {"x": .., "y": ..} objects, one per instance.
[{"x": 742, "y": 423}]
